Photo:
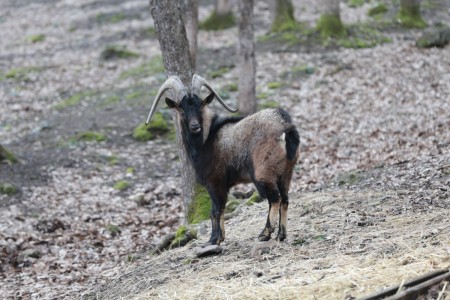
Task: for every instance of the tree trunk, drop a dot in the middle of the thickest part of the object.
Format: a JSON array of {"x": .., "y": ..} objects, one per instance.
[
  {"x": 190, "y": 9},
  {"x": 330, "y": 23},
  {"x": 221, "y": 18},
  {"x": 223, "y": 7},
  {"x": 330, "y": 7},
  {"x": 282, "y": 14},
  {"x": 409, "y": 14},
  {"x": 174, "y": 46},
  {"x": 247, "y": 63}
]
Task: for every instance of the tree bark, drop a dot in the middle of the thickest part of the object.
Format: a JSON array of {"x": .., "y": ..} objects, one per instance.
[
  {"x": 174, "y": 46},
  {"x": 282, "y": 15},
  {"x": 247, "y": 63},
  {"x": 190, "y": 9},
  {"x": 330, "y": 23},
  {"x": 330, "y": 7},
  {"x": 223, "y": 7},
  {"x": 409, "y": 14}
]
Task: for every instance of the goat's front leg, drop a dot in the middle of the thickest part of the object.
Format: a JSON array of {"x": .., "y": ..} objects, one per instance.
[{"x": 217, "y": 216}]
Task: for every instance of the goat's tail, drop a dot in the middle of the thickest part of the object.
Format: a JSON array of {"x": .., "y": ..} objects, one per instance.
[
  {"x": 291, "y": 137},
  {"x": 292, "y": 143}
]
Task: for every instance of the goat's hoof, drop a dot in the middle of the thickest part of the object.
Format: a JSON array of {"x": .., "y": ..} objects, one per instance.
[
  {"x": 209, "y": 250},
  {"x": 263, "y": 238},
  {"x": 211, "y": 242},
  {"x": 206, "y": 244},
  {"x": 281, "y": 238}
]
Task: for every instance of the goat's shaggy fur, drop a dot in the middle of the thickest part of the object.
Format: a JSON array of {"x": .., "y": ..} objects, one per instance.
[{"x": 262, "y": 148}]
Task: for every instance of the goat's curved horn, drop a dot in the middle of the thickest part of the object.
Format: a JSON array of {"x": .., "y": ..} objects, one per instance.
[
  {"x": 198, "y": 82},
  {"x": 172, "y": 83}
]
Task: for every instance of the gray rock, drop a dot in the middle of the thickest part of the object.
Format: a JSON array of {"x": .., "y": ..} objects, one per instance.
[
  {"x": 208, "y": 250},
  {"x": 436, "y": 36}
]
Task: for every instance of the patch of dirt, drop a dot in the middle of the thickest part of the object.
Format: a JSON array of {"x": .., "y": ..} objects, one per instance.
[{"x": 369, "y": 195}]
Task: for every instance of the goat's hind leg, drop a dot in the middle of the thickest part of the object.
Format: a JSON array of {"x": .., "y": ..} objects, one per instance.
[
  {"x": 283, "y": 187},
  {"x": 273, "y": 196}
]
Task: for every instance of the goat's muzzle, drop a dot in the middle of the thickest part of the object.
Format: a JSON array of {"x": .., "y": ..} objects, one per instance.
[{"x": 194, "y": 127}]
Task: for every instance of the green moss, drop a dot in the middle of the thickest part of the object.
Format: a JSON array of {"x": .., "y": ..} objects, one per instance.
[
  {"x": 111, "y": 99},
  {"x": 377, "y": 10},
  {"x": 355, "y": 42},
  {"x": 74, "y": 99},
  {"x": 7, "y": 156},
  {"x": 231, "y": 206},
  {"x": 349, "y": 178},
  {"x": 356, "y": 3},
  {"x": 91, "y": 136},
  {"x": 117, "y": 52},
  {"x": 410, "y": 17},
  {"x": 130, "y": 170},
  {"x": 219, "y": 72},
  {"x": 299, "y": 242},
  {"x": 262, "y": 96},
  {"x": 183, "y": 236},
  {"x": 200, "y": 208},
  {"x": 331, "y": 26},
  {"x": 113, "y": 229},
  {"x": 255, "y": 198},
  {"x": 158, "y": 126},
  {"x": 7, "y": 188},
  {"x": 121, "y": 185},
  {"x": 232, "y": 87},
  {"x": 268, "y": 104},
  {"x": 153, "y": 66},
  {"x": 135, "y": 95},
  {"x": 303, "y": 69},
  {"x": 36, "y": 38},
  {"x": 284, "y": 18},
  {"x": 19, "y": 74},
  {"x": 110, "y": 18},
  {"x": 436, "y": 36},
  {"x": 218, "y": 21},
  {"x": 362, "y": 36},
  {"x": 274, "y": 85},
  {"x": 112, "y": 160},
  {"x": 141, "y": 133}
]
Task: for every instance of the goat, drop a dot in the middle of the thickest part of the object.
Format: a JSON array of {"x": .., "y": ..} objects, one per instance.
[{"x": 261, "y": 148}]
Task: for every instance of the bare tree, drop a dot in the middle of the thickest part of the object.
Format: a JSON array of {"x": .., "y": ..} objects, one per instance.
[
  {"x": 174, "y": 45},
  {"x": 190, "y": 9},
  {"x": 282, "y": 14},
  {"x": 330, "y": 23},
  {"x": 247, "y": 63},
  {"x": 409, "y": 14}
]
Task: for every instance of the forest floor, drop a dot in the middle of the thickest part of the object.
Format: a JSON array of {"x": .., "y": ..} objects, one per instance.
[{"x": 370, "y": 194}]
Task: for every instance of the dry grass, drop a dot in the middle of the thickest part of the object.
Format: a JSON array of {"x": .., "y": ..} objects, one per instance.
[{"x": 351, "y": 244}]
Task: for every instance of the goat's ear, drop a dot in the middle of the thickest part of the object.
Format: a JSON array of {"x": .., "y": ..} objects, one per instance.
[
  {"x": 208, "y": 99},
  {"x": 172, "y": 104}
]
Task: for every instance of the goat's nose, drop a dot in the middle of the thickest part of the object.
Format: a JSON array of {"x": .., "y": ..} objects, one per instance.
[{"x": 195, "y": 127}]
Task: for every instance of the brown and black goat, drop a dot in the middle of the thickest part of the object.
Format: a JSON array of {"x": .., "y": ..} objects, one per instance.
[{"x": 261, "y": 148}]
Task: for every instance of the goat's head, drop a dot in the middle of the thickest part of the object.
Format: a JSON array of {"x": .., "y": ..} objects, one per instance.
[{"x": 188, "y": 106}]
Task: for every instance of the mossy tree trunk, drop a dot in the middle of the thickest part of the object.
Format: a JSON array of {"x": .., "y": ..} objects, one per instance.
[
  {"x": 221, "y": 18},
  {"x": 409, "y": 14},
  {"x": 282, "y": 14},
  {"x": 247, "y": 62},
  {"x": 190, "y": 17},
  {"x": 174, "y": 45},
  {"x": 330, "y": 24}
]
